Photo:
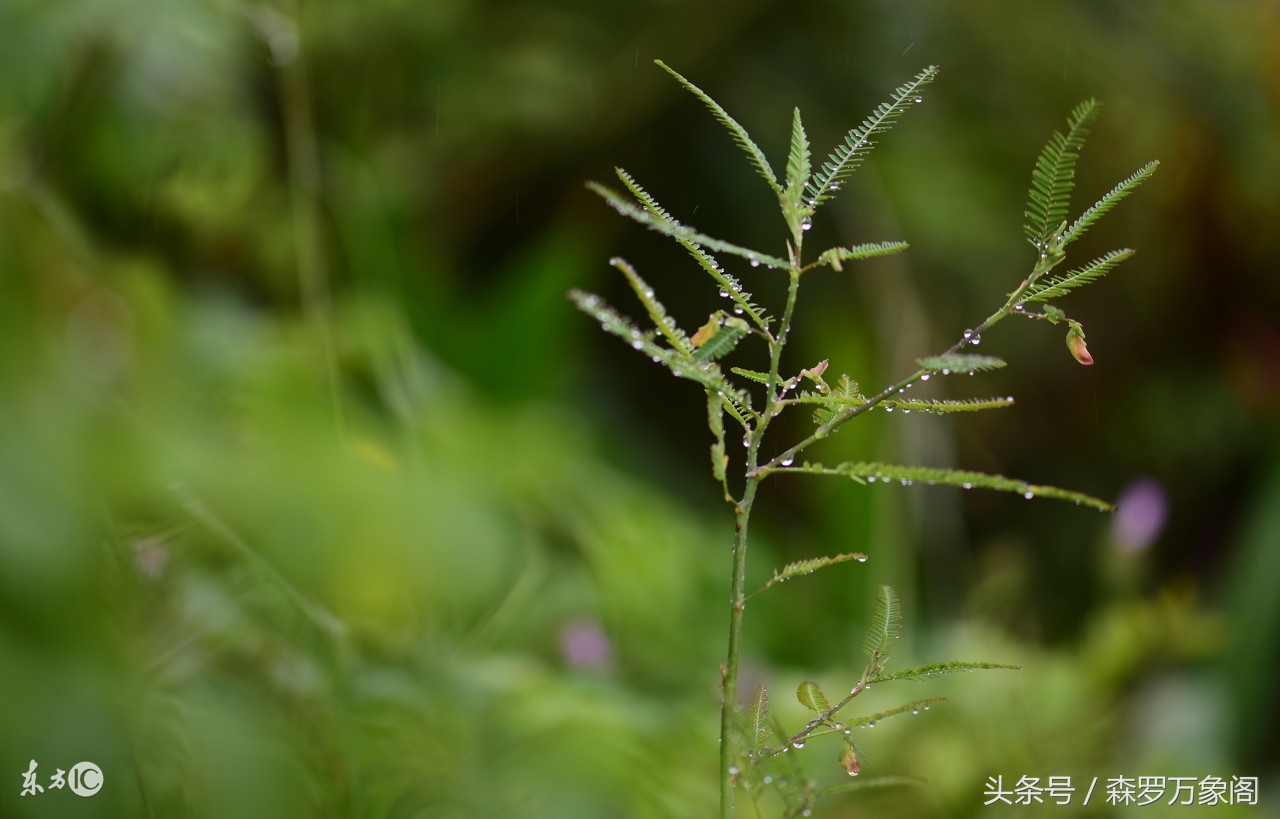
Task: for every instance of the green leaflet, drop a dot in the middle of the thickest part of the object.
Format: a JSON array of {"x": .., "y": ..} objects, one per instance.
[
  {"x": 1088, "y": 274},
  {"x": 679, "y": 232},
  {"x": 758, "y": 716},
  {"x": 739, "y": 133},
  {"x": 715, "y": 420},
  {"x": 1106, "y": 203},
  {"x": 859, "y": 141},
  {"x": 872, "y": 472},
  {"x": 728, "y": 284},
  {"x": 944, "y": 406},
  {"x": 810, "y": 696},
  {"x": 722, "y": 340},
  {"x": 960, "y": 363},
  {"x": 886, "y": 624},
  {"x": 751, "y": 375},
  {"x": 666, "y": 325},
  {"x": 912, "y": 707},
  {"x": 841, "y": 397},
  {"x": 937, "y": 669},
  {"x": 797, "y": 177},
  {"x": 738, "y": 403},
  {"x": 836, "y": 255},
  {"x": 1053, "y": 177}
]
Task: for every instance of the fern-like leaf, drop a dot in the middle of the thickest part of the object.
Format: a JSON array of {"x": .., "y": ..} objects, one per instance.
[
  {"x": 751, "y": 375},
  {"x": 876, "y": 472},
  {"x": 737, "y": 402},
  {"x": 837, "y": 255},
  {"x": 1054, "y": 175},
  {"x": 721, "y": 340},
  {"x": 943, "y": 407},
  {"x": 797, "y": 176},
  {"x": 653, "y": 307},
  {"x": 810, "y": 696},
  {"x": 1106, "y": 203},
  {"x": 841, "y": 397},
  {"x": 715, "y": 420},
  {"x": 859, "y": 141},
  {"x": 910, "y": 708},
  {"x": 938, "y": 669},
  {"x": 960, "y": 363},
  {"x": 1094, "y": 270},
  {"x": 739, "y": 133},
  {"x": 886, "y": 623},
  {"x": 758, "y": 716}
]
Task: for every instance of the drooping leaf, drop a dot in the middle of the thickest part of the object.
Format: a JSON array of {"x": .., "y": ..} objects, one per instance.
[
  {"x": 960, "y": 363},
  {"x": 1106, "y": 203},
  {"x": 738, "y": 403},
  {"x": 882, "y": 634},
  {"x": 739, "y": 133},
  {"x": 666, "y": 326},
  {"x": 1061, "y": 285},
  {"x": 860, "y": 140},
  {"x": 874, "y": 471},
  {"x": 1054, "y": 175},
  {"x": 715, "y": 420},
  {"x": 678, "y": 231},
  {"x": 810, "y": 696},
  {"x": 937, "y": 669}
]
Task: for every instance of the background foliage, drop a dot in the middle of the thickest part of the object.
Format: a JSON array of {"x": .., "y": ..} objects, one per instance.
[{"x": 317, "y": 497}]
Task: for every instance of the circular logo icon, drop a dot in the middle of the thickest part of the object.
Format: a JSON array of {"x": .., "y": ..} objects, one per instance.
[{"x": 85, "y": 779}]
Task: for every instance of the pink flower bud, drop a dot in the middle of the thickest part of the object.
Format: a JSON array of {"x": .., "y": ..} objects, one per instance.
[{"x": 1075, "y": 343}]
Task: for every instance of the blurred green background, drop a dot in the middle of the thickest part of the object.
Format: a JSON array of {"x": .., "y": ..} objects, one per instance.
[{"x": 317, "y": 498}]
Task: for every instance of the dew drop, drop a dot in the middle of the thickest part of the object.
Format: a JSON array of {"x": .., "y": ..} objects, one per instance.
[
  {"x": 787, "y": 461},
  {"x": 966, "y": 485},
  {"x": 724, "y": 294},
  {"x": 946, "y": 372},
  {"x": 848, "y": 731},
  {"x": 798, "y": 744},
  {"x": 906, "y": 411},
  {"x": 968, "y": 334},
  {"x": 1028, "y": 494},
  {"x": 871, "y": 479},
  {"x": 871, "y": 725},
  {"x": 806, "y": 224},
  {"x": 656, "y": 359},
  {"x": 915, "y": 710},
  {"x": 737, "y": 308},
  {"x": 733, "y": 770},
  {"x": 861, "y": 559},
  {"x": 636, "y": 344},
  {"x": 919, "y": 99},
  {"x": 976, "y": 340},
  {"x": 924, "y": 377},
  {"x": 834, "y": 187},
  {"x": 926, "y": 708},
  {"x": 888, "y": 409},
  {"x": 755, "y": 262},
  {"x": 1018, "y": 307}
]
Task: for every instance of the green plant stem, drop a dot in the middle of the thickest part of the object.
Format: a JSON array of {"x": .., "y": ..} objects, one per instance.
[
  {"x": 737, "y": 605},
  {"x": 742, "y": 518}
]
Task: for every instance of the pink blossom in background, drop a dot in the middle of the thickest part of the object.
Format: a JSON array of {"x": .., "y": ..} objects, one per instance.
[
  {"x": 1141, "y": 513},
  {"x": 584, "y": 644}
]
